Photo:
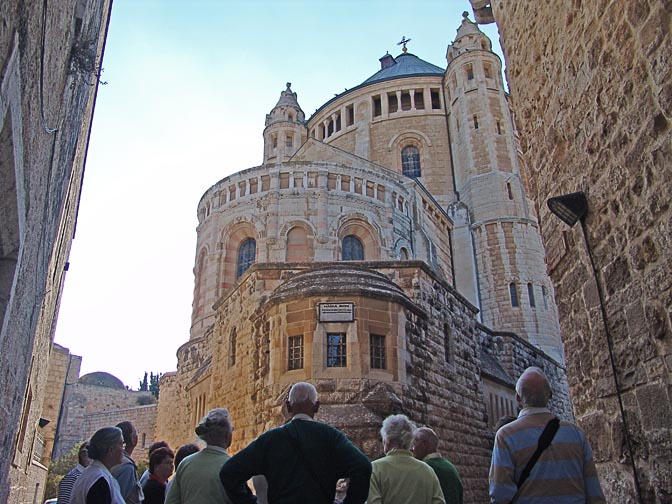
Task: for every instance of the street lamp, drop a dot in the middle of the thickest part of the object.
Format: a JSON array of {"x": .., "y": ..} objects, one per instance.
[{"x": 571, "y": 208}]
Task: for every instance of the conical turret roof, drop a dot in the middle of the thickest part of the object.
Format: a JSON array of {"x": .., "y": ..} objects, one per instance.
[
  {"x": 467, "y": 27},
  {"x": 288, "y": 98}
]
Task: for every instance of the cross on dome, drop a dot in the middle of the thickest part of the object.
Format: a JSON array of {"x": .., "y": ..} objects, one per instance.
[{"x": 403, "y": 42}]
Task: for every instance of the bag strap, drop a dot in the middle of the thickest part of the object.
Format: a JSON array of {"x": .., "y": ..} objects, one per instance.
[
  {"x": 297, "y": 447},
  {"x": 544, "y": 442}
]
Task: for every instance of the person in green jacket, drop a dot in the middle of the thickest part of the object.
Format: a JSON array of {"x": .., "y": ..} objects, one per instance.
[
  {"x": 425, "y": 448},
  {"x": 196, "y": 480},
  {"x": 398, "y": 478},
  {"x": 302, "y": 460}
]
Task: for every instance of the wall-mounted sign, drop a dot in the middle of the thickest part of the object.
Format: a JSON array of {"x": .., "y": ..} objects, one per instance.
[{"x": 337, "y": 312}]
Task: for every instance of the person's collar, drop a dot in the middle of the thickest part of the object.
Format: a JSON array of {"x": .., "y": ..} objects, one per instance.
[
  {"x": 218, "y": 449},
  {"x": 398, "y": 451},
  {"x": 154, "y": 477},
  {"x": 80, "y": 467},
  {"x": 432, "y": 456},
  {"x": 302, "y": 416},
  {"x": 532, "y": 410},
  {"x": 99, "y": 465}
]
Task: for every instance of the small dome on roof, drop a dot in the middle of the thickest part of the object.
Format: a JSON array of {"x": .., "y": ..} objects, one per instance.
[
  {"x": 102, "y": 379},
  {"x": 404, "y": 65}
]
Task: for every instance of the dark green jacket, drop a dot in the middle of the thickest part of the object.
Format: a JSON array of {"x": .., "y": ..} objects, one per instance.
[
  {"x": 448, "y": 477},
  {"x": 302, "y": 461}
]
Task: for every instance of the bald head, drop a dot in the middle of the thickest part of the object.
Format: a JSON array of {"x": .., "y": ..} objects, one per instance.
[
  {"x": 533, "y": 388},
  {"x": 425, "y": 441}
]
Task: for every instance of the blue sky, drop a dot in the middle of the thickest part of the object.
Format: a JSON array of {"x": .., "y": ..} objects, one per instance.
[{"x": 189, "y": 86}]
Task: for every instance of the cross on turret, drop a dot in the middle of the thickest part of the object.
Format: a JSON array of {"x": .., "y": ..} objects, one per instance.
[{"x": 403, "y": 42}]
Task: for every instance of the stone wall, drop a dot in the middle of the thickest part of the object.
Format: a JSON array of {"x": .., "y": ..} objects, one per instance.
[
  {"x": 591, "y": 86},
  {"x": 49, "y": 55},
  {"x": 85, "y": 404},
  {"x": 143, "y": 417},
  {"x": 63, "y": 369}
]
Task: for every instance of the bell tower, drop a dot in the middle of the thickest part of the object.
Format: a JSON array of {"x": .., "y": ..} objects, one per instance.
[
  {"x": 506, "y": 272},
  {"x": 285, "y": 128}
]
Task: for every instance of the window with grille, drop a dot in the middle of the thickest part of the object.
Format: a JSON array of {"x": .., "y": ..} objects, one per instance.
[
  {"x": 410, "y": 161},
  {"x": 336, "y": 350},
  {"x": 246, "y": 254},
  {"x": 353, "y": 250},
  {"x": 295, "y": 352},
  {"x": 377, "y": 351}
]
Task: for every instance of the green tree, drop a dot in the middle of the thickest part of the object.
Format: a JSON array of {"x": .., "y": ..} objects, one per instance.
[
  {"x": 154, "y": 383},
  {"x": 143, "y": 384}
]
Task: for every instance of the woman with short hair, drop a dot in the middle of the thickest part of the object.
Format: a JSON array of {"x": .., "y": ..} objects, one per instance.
[
  {"x": 96, "y": 485},
  {"x": 160, "y": 469},
  {"x": 398, "y": 478}
]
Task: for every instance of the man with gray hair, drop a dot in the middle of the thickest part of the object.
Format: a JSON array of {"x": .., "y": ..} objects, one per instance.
[
  {"x": 301, "y": 460},
  {"x": 398, "y": 478},
  {"x": 196, "y": 480},
  {"x": 561, "y": 470},
  {"x": 425, "y": 448}
]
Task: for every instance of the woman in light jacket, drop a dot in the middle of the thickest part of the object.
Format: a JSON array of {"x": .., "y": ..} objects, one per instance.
[{"x": 96, "y": 485}]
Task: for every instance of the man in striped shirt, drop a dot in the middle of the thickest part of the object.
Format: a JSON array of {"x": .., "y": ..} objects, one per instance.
[
  {"x": 68, "y": 481},
  {"x": 564, "y": 474}
]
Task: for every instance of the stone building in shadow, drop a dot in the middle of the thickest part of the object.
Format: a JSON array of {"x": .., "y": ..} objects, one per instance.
[{"x": 50, "y": 57}]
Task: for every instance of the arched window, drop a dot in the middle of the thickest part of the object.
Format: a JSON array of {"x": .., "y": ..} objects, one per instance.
[
  {"x": 246, "y": 254},
  {"x": 513, "y": 291},
  {"x": 530, "y": 293},
  {"x": 410, "y": 161},
  {"x": 353, "y": 250}
]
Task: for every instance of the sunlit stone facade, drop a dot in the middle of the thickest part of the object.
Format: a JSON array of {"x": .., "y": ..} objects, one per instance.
[{"x": 386, "y": 251}]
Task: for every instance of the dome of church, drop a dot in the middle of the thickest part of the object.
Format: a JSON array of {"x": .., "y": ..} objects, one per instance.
[
  {"x": 404, "y": 65},
  {"x": 102, "y": 379}
]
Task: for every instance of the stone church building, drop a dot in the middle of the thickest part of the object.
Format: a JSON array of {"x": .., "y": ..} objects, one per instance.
[{"x": 387, "y": 251}]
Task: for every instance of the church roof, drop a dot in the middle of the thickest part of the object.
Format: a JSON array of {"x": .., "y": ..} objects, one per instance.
[
  {"x": 404, "y": 65},
  {"x": 102, "y": 379},
  {"x": 491, "y": 367}
]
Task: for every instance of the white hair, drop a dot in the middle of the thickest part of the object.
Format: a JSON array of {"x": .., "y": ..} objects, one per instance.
[
  {"x": 302, "y": 392},
  {"x": 214, "y": 425},
  {"x": 397, "y": 432}
]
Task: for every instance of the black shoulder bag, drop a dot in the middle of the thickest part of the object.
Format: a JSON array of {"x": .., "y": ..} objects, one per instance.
[{"x": 544, "y": 442}]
